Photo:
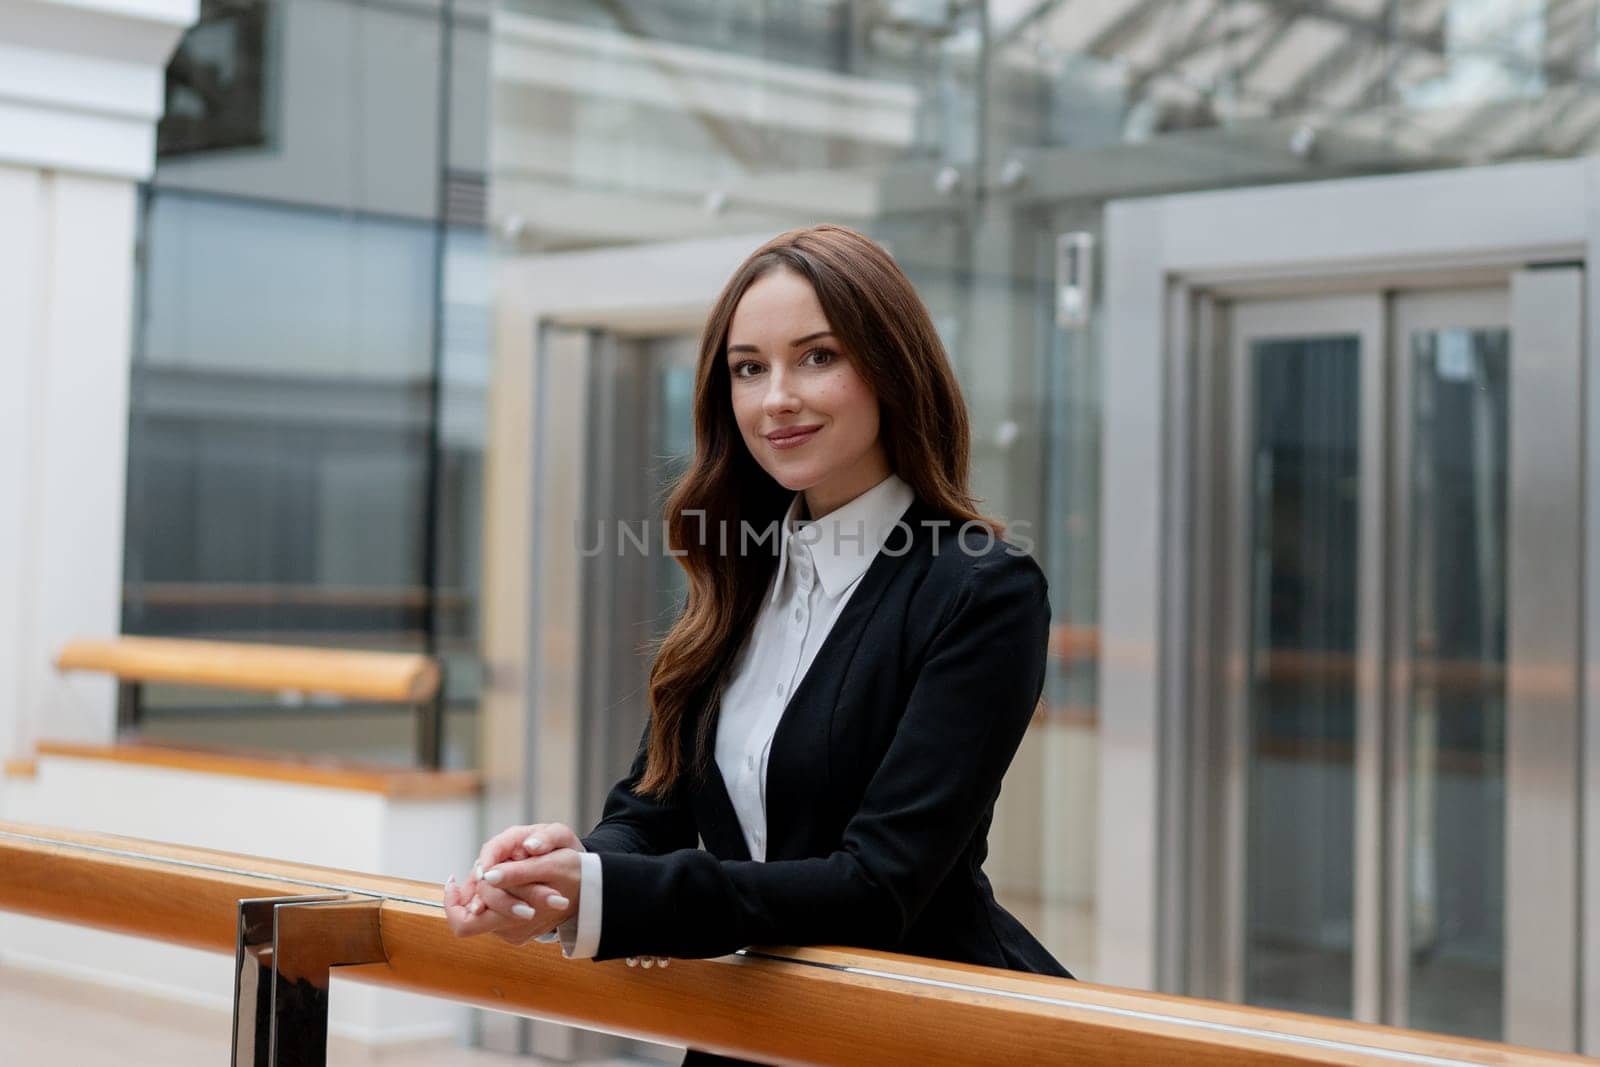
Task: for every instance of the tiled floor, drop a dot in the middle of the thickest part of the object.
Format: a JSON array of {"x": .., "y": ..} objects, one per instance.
[{"x": 47, "y": 1020}]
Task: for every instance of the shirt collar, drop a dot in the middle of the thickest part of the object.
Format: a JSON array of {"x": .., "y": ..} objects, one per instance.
[{"x": 843, "y": 543}]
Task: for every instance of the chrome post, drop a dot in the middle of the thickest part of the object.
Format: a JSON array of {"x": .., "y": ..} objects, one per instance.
[
  {"x": 285, "y": 949},
  {"x": 130, "y": 707},
  {"x": 430, "y": 732}
]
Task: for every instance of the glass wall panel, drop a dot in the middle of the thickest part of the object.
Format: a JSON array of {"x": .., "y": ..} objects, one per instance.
[
  {"x": 967, "y": 137},
  {"x": 282, "y": 422},
  {"x": 1457, "y": 706},
  {"x": 1307, "y": 87},
  {"x": 312, "y": 360},
  {"x": 1305, "y": 473},
  {"x": 313, "y": 350}
]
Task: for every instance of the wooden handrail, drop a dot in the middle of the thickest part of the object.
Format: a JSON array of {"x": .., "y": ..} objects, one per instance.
[
  {"x": 398, "y": 677},
  {"x": 813, "y": 1005}
]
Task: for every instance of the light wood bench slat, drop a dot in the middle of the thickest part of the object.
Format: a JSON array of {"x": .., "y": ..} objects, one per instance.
[
  {"x": 20, "y": 768},
  {"x": 399, "y": 677},
  {"x": 396, "y": 782}
]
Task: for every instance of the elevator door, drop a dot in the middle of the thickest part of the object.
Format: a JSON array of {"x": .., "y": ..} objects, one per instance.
[
  {"x": 640, "y": 437},
  {"x": 1396, "y": 662}
]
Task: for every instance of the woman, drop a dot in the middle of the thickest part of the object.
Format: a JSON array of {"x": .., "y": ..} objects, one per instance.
[{"x": 857, "y": 661}]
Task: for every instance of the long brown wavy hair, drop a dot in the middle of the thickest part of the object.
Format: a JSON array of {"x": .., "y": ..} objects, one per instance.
[{"x": 886, "y": 333}]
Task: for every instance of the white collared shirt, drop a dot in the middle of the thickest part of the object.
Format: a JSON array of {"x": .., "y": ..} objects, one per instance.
[{"x": 820, "y": 563}]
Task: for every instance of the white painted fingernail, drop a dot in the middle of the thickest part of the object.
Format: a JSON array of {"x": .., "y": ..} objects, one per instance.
[
  {"x": 475, "y": 907},
  {"x": 547, "y": 937},
  {"x": 664, "y": 961},
  {"x": 477, "y": 871},
  {"x": 450, "y": 881},
  {"x": 534, "y": 843},
  {"x": 558, "y": 901},
  {"x": 522, "y": 911},
  {"x": 493, "y": 877},
  {"x": 647, "y": 962},
  {"x": 633, "y": 961}
]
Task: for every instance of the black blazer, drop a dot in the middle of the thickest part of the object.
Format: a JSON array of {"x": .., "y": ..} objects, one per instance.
[{"x": 881, "y": 781}]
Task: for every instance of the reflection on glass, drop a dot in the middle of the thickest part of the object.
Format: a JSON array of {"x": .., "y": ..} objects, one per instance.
[
  {"x": 217, "y": 87},
  {"x": 673, "y": 370},
  {"x": 641, "y": 438},
  {"x": 281, "y": 425},
  {"x": 282, "y": 417},
  {"x": 1441, "y": 79},
  {"x": 1302, "y": 697},
  {"x": 620, "y": 123},
  {"x": 1457, "y": 599}
]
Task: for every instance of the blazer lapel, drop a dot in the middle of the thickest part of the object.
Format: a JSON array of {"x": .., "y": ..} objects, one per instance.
[
  {"x": 800, "y": 743},
  {"x": 718, "y": 822}
]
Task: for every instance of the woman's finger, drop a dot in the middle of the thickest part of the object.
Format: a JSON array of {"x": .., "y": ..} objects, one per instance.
[
  {"x": 501, "y": 845},
  {"x": 544, "y": 899},
  {"x": 508, "y": 906},
  {"x": 550, "y": 837},
  {"x": 468, "y": 916},
  {"x": 536, "y": 908},
  {"x": 484, "y": 922},
  {"x": 464, "y": 920},
  {"x": 520, "y": 872}
]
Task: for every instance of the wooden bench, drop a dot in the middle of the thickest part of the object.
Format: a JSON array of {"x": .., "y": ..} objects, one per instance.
[
  {"x": 381, "y": 677},
  {"x": 399, "y": 783}
]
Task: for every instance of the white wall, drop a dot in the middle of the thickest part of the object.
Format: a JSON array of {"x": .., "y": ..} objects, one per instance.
[
  {"x": 340, "y": 828},
  {"x": 80, "y": 91},
  {"x": 65, "y": 299}
]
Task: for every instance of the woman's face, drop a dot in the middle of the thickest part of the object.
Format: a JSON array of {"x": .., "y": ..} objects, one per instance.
[{"x": 805, "y": 414}]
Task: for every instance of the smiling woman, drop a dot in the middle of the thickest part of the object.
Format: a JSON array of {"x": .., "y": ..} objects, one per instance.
[
  {"x": 831, "y": 717},
  {"x": 803, "y": 409}
]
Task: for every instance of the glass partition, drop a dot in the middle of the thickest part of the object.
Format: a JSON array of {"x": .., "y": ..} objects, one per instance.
[
  {"x": 1305, "y": 475},
  {"x": 311, "y": 362},
  {"x": 1457, "y": 703},
  {"x": 327, "y": 306},
  {"x": 970, "y": 138}
]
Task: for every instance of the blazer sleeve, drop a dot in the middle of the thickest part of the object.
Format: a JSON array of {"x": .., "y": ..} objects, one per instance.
[
  {"x": 968, "y": 709},
  {"x": 636, "y": 824}
]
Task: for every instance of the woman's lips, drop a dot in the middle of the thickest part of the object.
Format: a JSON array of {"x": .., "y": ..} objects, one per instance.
[{"x": 793, "y": 440}]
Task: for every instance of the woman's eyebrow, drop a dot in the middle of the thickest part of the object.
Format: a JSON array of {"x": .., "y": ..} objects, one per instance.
[{"x": 792, "y": 344}]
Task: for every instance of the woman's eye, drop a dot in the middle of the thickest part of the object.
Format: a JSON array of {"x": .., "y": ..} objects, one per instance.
[
  {"x": 740, "y": 368},
  {"x": 821, "y": 357}
]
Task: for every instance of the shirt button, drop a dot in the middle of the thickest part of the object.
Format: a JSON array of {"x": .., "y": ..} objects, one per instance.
[
  {"x": 750, "y": 762},
  {"x": 780, "y": 689},
  {"x": 799, "y": 614}
]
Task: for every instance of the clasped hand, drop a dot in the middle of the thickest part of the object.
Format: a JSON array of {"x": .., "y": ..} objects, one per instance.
[{"x": 524, "y": 883}]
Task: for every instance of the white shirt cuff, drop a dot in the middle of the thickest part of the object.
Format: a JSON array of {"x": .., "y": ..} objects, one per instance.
[{"x": 580, "y": 934}]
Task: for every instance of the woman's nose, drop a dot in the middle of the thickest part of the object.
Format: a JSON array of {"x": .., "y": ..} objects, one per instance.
[{"x": 780, "y": 395}]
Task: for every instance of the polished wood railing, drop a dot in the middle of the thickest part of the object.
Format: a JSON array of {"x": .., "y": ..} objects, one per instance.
[
  {"x": 383, "y": 677},
  {"x": 811, "y": 1005}
]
